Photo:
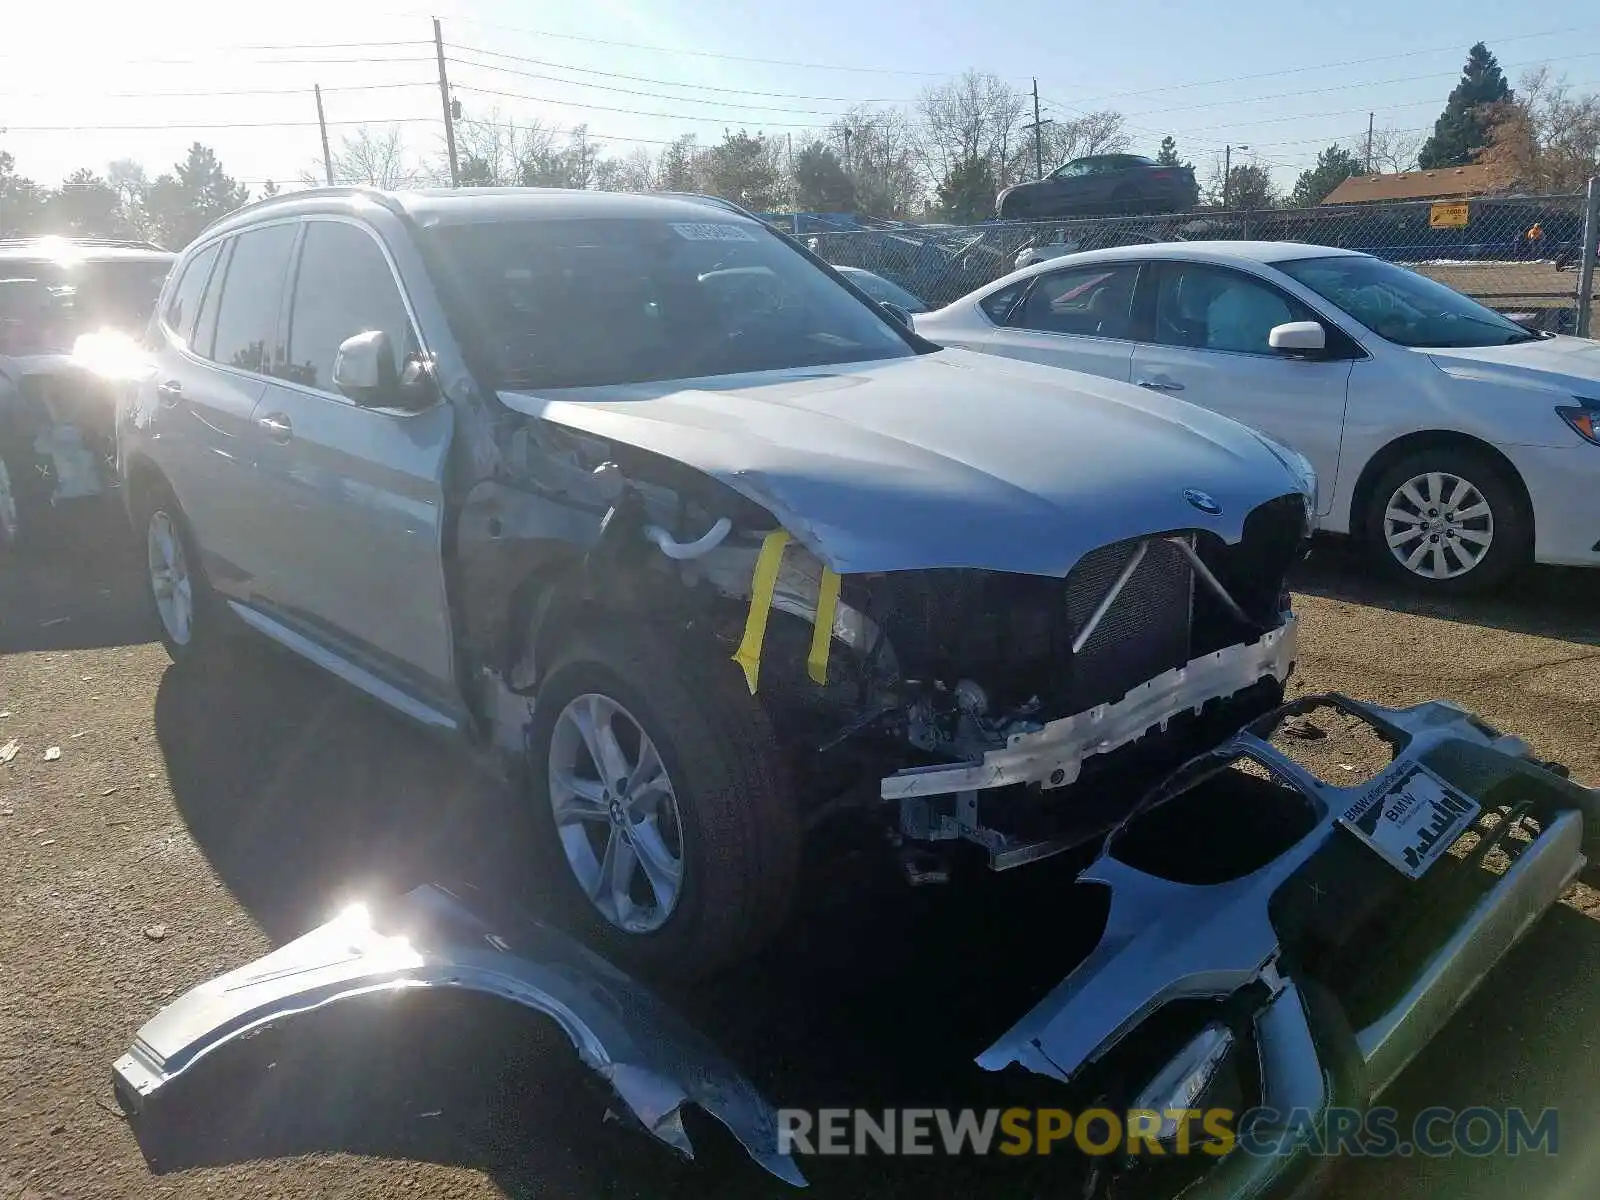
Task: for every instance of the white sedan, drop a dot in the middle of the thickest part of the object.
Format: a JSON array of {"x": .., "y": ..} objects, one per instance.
[{"x": 1456, "y": 443}]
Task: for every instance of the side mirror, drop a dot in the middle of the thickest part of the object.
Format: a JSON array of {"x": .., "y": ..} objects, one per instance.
[
  {"x": 364, "y": 370},
  {"x": 1298, "y": 337},
  {"x": 895, "y": 311}
]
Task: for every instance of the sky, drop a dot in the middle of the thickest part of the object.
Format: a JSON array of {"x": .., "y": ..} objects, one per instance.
[{"x": 82, "y": 85}]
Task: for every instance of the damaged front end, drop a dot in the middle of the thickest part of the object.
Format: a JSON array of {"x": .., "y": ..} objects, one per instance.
[
  {"x": 433, "y": 938},
  {"x": 1278, "y": 945}
]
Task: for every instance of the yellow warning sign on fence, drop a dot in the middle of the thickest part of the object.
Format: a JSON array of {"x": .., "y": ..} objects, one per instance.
[{"x": 1448, "y": 216}]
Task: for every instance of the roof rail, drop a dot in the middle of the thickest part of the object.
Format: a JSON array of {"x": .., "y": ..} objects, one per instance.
[{"x": 326, "y": 193}]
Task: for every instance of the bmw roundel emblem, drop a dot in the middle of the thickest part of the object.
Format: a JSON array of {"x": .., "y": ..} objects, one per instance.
[{"x": 1204, "y": 501}]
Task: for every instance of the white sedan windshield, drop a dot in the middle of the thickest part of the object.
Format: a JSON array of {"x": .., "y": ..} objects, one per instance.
[{"x": 1403, "y": 306}]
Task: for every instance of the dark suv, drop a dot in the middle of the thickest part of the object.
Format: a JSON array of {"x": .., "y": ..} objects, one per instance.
[
  {"x": 1102, "y": 185},
  {"x": 70, "y": 309}
]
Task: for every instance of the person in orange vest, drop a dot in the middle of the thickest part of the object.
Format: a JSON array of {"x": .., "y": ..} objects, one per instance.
[{"x": 1534, "y": 238}]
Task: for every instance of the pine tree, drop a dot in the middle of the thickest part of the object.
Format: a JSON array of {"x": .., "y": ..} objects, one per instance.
[
  {"x": 1167, "y": 156},
  {"x": 1463, "y": 128},
  {"x": 1334, "y": 166}
]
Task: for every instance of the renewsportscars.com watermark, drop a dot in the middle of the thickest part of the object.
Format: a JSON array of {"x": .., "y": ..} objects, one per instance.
[{"x": 1376, "y": 1132}]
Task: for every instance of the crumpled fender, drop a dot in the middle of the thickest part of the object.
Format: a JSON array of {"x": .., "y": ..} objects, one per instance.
[{"x": 431, "y": 938}]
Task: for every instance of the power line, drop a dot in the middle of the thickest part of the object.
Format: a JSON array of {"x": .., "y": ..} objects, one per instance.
[
  {"x": 604, "y": 137},
  {"x": 771, "y": 62},
  {"x": 703, "y": 87},
  {"x": 636, "y": 112},
  {"x": 1345, "y": 87},
  {"x": 1351, "y": 62},
  {"x": 211, "y": 125},
  {"x": 200, "y": 95},
  {"x": 815, "y": 112}
]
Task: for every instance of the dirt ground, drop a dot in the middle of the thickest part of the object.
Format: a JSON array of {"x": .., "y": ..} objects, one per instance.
[
  {"x": 192, "y": 821},
  {"x": 1526, "y": 284}
]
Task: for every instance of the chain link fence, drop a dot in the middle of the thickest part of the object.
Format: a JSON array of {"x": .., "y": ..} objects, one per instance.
[{"x": 1520, "y": 255}]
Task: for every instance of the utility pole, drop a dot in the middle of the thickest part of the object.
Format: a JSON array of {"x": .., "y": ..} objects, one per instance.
[
  {"x": 1038, "y": 139},
  {"x": 1227, "y": 172},
  {"x": 1368, "y": 165},
  {"x": 1037, "y": 126},
  {"x": 444, "y": 100},
  {"x": 322, "y": 124}
]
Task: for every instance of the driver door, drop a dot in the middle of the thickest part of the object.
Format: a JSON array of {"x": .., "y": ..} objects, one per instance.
[
  {"x": 1209, "y": 347},
  {"x": 357, "y": 563}
]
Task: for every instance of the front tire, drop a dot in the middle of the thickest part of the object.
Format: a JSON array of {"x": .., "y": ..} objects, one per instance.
[
  {"x": 663, "y": 807},
  {"x": 1448, "y": 521}
]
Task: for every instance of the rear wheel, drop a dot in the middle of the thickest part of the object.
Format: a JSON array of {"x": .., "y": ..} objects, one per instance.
[
  {"x": 189, "y": 615},
  {"x": 663, "y": 806},
  {"x": 1448, "y": 520}
]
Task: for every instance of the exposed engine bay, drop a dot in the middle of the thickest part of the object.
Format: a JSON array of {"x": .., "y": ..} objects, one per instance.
[{"x": 969, "y": 701}]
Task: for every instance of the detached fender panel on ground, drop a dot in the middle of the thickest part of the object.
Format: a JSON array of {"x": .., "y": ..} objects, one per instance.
[{"x": 431, "y": 938}]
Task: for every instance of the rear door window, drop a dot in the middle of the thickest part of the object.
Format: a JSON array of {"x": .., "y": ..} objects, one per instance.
[
  {"x": 1092, "y": 301},
  {"x": 183, "y": 305},
  {"x": 251, "y": 294}
]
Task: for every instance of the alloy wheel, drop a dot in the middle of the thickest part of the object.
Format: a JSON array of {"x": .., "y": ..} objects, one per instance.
[
  {"x": 170, "y": 581},
  {"x": 616, "y": 813},
  {"x": 1438, "y": 525}
]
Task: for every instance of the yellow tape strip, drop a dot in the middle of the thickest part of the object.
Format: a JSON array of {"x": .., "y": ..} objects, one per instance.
[
  {"x": 762, "y": 585},
  {"x": 822, "y": 631}
]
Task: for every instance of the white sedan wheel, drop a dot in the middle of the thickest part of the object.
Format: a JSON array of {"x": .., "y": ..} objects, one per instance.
[{"x": 1438, "y": 525}]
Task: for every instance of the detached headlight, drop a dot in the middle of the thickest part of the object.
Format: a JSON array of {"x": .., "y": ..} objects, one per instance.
[
  {"x": 1299, "y": 466},
  {"x": 1186, "y": 1078},
  {"x": 1584, "y": 418}
]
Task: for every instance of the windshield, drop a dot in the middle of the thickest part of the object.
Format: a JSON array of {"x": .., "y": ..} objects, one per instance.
[
  {"x": 1402, "y": 306},
  {"x": 46, "y": 303},
  {"x": 589, "y": 302},
  {"x": 882, "y": 290}
]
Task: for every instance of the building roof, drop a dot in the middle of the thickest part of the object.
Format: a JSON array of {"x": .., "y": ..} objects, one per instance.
[{"x": 1472, "y": 180}]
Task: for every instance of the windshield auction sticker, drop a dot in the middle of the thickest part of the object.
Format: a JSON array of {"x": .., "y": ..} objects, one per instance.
[{"x": 712, "y": 232}]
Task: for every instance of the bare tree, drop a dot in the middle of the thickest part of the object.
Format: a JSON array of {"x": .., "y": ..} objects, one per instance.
[
  {"x": 634, "y": 172},
  {"x": 1393, "y": 150},
  {"x": 1545, "y": 139},
  {"x": 372, "y": 158},
  {"x": 880, "y": 153},
  {"x": 973, "y": 117},
  {"x": 1103, "y": 132}
]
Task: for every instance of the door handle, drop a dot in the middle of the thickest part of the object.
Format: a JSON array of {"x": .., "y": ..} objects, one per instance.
[
  {"x": 1160, "y": 385},
  {"x": 170, "y": 393},
  {"x": 276, "y": 427}
]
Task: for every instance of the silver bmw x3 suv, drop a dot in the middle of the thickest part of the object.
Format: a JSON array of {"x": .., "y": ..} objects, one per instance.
[{"x": 661, "y": 513}]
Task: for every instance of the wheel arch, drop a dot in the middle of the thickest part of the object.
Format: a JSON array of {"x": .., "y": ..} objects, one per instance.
[
  {"x": 1431, "y": 439},
  {"x": 142, "y": 476}
]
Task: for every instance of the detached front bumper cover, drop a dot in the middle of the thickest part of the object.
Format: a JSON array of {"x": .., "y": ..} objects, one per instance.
[
  {"x": 431, "y": 938},
  {"x": 1166, "y": 941}
]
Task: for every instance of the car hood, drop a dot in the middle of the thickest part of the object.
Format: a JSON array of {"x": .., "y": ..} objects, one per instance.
[
  {"x": 1566, "y": 365},
  {"x": 946, "y": 459}
]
